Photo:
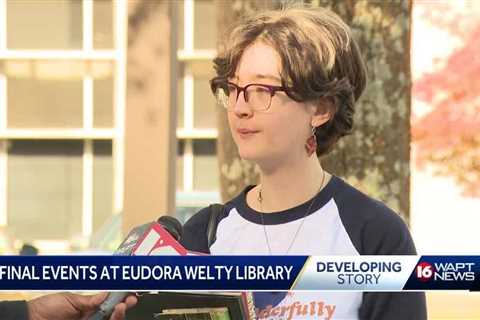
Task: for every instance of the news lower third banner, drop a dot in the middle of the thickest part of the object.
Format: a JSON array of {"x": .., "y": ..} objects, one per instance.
[{"x": 232, "y": 273}]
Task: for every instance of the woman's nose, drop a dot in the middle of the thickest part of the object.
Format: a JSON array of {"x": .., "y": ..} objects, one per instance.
[{"x": 241, "y": 108}]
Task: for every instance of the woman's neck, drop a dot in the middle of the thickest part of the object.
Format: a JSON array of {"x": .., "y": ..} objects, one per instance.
[{"x": 288, "y": 185}]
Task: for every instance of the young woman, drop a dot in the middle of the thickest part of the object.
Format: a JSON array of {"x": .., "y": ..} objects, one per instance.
[{"x": 289, "y": 80}]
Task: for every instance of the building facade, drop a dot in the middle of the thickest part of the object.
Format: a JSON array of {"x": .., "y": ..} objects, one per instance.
[{"x": 63, "y": 113}]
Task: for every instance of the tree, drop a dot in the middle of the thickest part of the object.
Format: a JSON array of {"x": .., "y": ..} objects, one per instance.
[
  {"x": 448, "y": 137},
  {"x": 376, "y": 156}
]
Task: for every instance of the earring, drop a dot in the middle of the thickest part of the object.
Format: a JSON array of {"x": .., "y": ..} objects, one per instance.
[{"x": 311, "y": 144}]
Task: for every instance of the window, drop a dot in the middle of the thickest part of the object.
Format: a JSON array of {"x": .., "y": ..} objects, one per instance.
[
  {"x": 44, "y": 25},
  {"x": 44, "y": 191},
  {"x": 62, "y": 75},
  {"x": 197, "y": 172}
]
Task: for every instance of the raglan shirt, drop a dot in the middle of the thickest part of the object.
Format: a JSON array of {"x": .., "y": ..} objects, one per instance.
[{"x": 341, "y": 221}]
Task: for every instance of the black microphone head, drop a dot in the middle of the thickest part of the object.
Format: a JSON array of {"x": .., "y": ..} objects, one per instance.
[{"x": 172, "y": 225}]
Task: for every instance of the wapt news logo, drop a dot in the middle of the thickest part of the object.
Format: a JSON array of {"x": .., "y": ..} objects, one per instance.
[{"x": 445, "y": 271}]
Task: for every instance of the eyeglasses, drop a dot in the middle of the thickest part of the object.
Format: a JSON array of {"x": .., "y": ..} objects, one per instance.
[{"x": 258, "y": 96}]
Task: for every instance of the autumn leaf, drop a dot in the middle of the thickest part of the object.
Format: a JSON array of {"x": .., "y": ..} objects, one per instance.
[{"x": 449, "y": 135}]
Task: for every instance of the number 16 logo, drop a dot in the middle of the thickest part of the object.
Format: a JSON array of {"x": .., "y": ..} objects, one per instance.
[{"x": 424, "y": 271}]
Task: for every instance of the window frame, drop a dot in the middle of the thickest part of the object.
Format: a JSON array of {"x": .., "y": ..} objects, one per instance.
[
  {"x": 188, "y": 196},
  {"x": 87, "y": 133}
]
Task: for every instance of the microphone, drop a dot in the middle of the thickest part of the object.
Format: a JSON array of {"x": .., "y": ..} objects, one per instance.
[
  {"x": 154, "y": 238},
  {"x": 161, "y": 239}
]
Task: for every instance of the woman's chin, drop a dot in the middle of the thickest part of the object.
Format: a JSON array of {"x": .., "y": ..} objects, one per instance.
[{"x": 248, "y": 154}]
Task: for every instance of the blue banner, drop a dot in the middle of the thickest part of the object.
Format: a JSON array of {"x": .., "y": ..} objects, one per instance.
[
  {"x": 240, "y": 273},
  {"x": 445, "y": 273},
  {"x": 149, "y": 272}
]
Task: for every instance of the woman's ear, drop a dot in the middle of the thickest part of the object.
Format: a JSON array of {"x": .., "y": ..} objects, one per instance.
[{"x": 322, "y": 112}]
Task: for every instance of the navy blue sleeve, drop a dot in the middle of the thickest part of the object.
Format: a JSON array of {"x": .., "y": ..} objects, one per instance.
[
  {"x": 375, "y": 229},
  {"x": 13, "y": 310},
  {"x": 389, "y": 235},
  {"x": 386, "y": 233}
]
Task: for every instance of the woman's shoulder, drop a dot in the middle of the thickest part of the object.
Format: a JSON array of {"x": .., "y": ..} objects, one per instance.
[{"x": 373, "y": 226}]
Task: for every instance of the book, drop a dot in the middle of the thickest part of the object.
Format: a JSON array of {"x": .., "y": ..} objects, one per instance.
[
  {"x": 193, "y": 314},
  {"x": 193, "y": 306}
]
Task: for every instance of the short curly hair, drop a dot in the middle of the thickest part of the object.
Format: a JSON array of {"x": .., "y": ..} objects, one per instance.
[{"x": 319, "y": 58}]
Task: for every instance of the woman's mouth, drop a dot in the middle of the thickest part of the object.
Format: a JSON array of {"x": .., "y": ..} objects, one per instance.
[{"x": 245, "y": 133}]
